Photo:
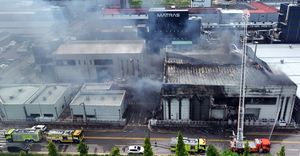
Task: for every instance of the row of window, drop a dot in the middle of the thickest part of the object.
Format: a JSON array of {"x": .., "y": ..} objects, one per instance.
[{"x": 97, "y": 62}]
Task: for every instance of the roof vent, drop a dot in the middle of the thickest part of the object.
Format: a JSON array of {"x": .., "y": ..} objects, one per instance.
[
  {"x": 20, "y": 90},
  {"x": 44, "y": 98},
  {"x": 114, "y": 98},
  {"x": 102, "y": 98},
  {"x": 11, "y": 97},
  {"x": 87, "y": 98},
  {"x": 49, "y": 92},
  {"x": 54, "y": 87},
  {"x": 282, "y": 61},
  {"x": 290, "y": 46}
]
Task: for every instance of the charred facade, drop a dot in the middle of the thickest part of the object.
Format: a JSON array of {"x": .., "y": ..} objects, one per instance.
[{"x": 196, "y": 89}]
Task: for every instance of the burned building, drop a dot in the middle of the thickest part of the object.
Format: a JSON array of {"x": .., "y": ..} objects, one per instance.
[{"x": 200, "y": 87}]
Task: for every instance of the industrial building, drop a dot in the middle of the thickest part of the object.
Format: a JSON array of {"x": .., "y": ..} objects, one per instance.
[
  {"x": 34, "y": 101},
  {"x": 49, "y": 101},
  {"x": 99, "y": 61},
  {"x": 98, "y": 102},
  {"x": 13, "y": 99},
  {"x": 199, "y": 86},
  {"x": 287, "y": 63}
]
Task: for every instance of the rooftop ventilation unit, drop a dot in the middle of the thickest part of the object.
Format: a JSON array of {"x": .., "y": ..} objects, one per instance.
[
  {"x": 11, "y": 97},
  {"x": 102, "y": 98},
  {"x": 44, "y": 98},
  {"x": 87, "y": 98},
  {"x": 114, "y": 98},
  {"x": 49, "y": 92},
  {"x": 54, "y": 87},
  {"x": 20, "y": 90}
]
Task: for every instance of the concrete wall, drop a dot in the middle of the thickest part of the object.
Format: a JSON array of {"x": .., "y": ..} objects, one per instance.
[{"x": 87, "y": 70}]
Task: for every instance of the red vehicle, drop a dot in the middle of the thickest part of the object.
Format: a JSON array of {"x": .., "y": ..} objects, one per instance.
[{"x": 259, "y": 145}]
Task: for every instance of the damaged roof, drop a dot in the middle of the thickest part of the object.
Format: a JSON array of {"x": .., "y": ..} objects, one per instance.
[{"x": 187, "y": 70}]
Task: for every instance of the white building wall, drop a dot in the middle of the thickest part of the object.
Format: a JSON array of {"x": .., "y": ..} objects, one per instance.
[
  {"x": 88, "y": 70},
  {"x": 217, "y": 113},
  {"x": 166, "y": 109},
  {"x": 15, "y": 111},
  {"x": 185, "y": 108},
  {"x": 200, "y": 3},
  {"x": 174, "y": 109}
]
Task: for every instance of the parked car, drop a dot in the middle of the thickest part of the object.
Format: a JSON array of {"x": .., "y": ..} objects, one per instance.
[
  {"x": 135, "y": 150},
  {"x": 17, "y": 147},
  {"x": 41, "y": 127}
]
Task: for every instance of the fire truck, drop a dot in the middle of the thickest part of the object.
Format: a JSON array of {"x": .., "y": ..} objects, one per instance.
[
  {"x": 21, "y": 135},
  {"x": 59, "y": 136},
  {"x": 259, "y": 145},
  {"x": 191, "y": 144}
]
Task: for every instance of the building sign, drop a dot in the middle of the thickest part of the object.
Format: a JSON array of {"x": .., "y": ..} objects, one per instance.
[{"x": 166, "y": 15}]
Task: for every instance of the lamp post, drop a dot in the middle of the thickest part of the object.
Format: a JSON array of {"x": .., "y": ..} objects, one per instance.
[{"x": 82, "y": 103}]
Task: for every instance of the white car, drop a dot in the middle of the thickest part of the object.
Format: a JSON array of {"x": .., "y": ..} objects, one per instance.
[
  {"x": 135, "y": 150},
  {"x": 41, "y": 127}
]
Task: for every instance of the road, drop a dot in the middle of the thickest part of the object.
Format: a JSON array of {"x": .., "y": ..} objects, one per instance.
[{"x": 101, "y": 142}]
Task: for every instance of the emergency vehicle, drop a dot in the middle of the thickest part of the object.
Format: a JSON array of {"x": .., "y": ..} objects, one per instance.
[
  {"x": 259, "y": 145},
  {"x": 191, "y": 144},
  {"x": 21, "y": 135},
  {"x": 59, "y": 136}
]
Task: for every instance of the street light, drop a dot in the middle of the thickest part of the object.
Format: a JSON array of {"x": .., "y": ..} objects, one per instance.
[{"x": 82, "y": 103}]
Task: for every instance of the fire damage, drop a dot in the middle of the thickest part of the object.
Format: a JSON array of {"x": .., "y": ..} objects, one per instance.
[{"x": 205, "y": 87}]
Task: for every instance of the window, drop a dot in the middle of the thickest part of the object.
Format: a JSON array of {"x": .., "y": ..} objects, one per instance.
[
  {"x": 79, "y": 62},
  {"x": 256, "y": 101},
  {"x": 48, "y": 115},
  {"x": 59, "y": 62},
  {"x": 71, "y": 62},
  {"x": 192, "y": 147},
  {"x": 65, "y": 138},
  {"x": 103, "y": 62}
]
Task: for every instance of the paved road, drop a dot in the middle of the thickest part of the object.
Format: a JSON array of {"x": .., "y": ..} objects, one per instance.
[{"x": 101, "y": 142}]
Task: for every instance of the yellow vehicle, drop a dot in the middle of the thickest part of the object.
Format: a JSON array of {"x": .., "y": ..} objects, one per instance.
[
  {"x": 191, "y": 144},
  {"x": 59, "y": 136}
]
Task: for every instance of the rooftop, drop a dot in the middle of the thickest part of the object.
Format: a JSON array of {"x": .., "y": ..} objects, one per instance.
[
  {"x": 48, "y": 94},
  {"x": 198, "y": 72},
  {"x": 273, "y": 54},
  {"x": 96, "y": 86},
  {"x": 102, "y": 47},
  {"x": 262, "y": 6},
  {"x": 99, "y": 98},
  {"x": 17, "y": 94}
]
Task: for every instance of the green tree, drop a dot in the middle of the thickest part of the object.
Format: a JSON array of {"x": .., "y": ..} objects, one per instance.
[
  {"x": 212, "y": 151},
  {"x": 82, "y": 148},
  {"x": 180, "y": 147},
  {"x": 147, "y": 147},
  {"x": 247, "y": 149},
  {"x": 22, "y": 153},
  {"x": 115, "y": 151},
  {"x": 52, "y": 150},
  {"x": 281, "y": 152},
  {"x": 228, "y": 153}
]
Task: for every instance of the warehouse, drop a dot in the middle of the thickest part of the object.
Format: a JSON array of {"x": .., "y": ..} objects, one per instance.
[
  {"x": 13, "y": 99},
  {"x": 49, "y": 101},
  {"x": 98, "y": 102},
  {"x": 99, "y": 61},
  {"x": 206, "y": 87},
  {"x": 287, "y": 63},
  {"x": 34, "y": 101}
]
